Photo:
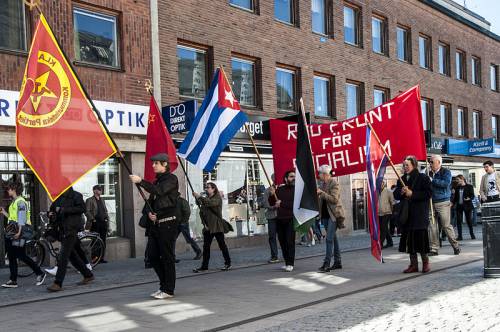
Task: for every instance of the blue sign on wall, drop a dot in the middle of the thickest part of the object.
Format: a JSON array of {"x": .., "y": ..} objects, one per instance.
[
  {"x": 469, "y": 148},
  {"x": 179, "y": 117}
]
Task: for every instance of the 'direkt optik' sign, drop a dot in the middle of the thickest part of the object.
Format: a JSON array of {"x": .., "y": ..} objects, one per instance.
[
  {"x": 179, "y": 117},
  {"x": 469, "y": 147}
]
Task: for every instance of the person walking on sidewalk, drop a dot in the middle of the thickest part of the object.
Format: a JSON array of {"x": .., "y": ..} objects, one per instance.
[
  {"x": 185, "y": 212},
  {"x": 464, "y": 195},
  {"x": 332, "y": 216},
  {"x": 213, "y": 225},
  {"x": 417, "y": 193},
  {"x": 97, "y": 216},
  {"x": 284, "y": 224},
  {"x": 490, "y": 184},
  {"x": 68, "y": 209},
  {"x": 18, "y": 217},
  {"x": 385, "y": 204},
  {"x": 441, "y": 195},
  {"x": 271, "y": 215},
  {"x": 163, "y": 227}
]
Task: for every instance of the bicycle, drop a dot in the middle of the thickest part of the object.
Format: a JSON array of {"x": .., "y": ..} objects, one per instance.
[{"x": 37, "y": 249}]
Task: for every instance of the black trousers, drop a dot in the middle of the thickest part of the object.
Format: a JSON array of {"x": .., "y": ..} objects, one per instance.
[
  {"x": 70, "y": 246},
  {"x": 384, "y": 230},
  {"x": 161, "y": 254},
  {"x": 102, "y": 229},
  {"x": 184, "y": 229},
  {"x": 14, "y": 253},
  {"x": 207, "y": 242},
  {"x": 460, "y": 218},
  {"x": 286, "y": 236}
]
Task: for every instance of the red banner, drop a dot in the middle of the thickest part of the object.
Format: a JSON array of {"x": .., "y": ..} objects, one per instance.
[{"x": 341, "y": 144}]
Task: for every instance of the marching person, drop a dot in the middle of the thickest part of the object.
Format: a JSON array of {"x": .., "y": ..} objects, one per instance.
[
  {"x": 490, "y": 184},
  {"x": 271, "y": 214},
  {"x": 213, "y": 225},
  {"x": 441, "y": 195},
  {"x": 163, "y": 230},
  {"x": 68, "y": 209},
  {"x": 284, "y": 224},
  {"x": 185, "y": 212},
  {"x": 332, "y": 216},
  {"x": 18, "y": 216},
  {"x": 385, "y": 206},
  {"x": 97, "y": 216},
  {"x": 417, "y": 193},
  {"x": 464, "y": 194}
]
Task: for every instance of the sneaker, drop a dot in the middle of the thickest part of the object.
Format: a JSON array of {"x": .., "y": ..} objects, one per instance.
[
  {"x": 89, "y": 266},
  {"x": 313, "y": 242},
  {"x": 155, "y": 293},
  {"x": 86, "y": 281},
  {"x": 324, "y": 268},
  {"x": 54, "y": 288},
  {"x": 284, "y": 267},
  {"x": 226, "y": 267},
  {"x": 52, "y": 271},
  {"x": 273, "y": 260},
  {"x": 198, "y": 256},
  {"x": 456, "y": 250},
  {"x": 40, "y": 279},
  {"x": 289, "y": 268},
  {"x": 200, "y": 269},
  {"x": 10, "y": 284},
  {"x": 163, "y": 296},
  {"x": 335, "y": 266}
]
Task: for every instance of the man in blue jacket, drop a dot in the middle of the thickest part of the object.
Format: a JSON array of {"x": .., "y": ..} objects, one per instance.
[{"x": 441, "y": 194}]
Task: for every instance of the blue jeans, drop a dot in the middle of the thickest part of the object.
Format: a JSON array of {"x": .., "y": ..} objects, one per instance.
[
  {"x": 184, "y": 229},
  {"x": 271, "y": 231},
  {"x": 331, "y": 238}
]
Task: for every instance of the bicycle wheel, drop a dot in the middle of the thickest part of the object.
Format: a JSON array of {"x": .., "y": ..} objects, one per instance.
[
  {"x": 93, "y": 247},
  {"x": 34, "y": 250}
]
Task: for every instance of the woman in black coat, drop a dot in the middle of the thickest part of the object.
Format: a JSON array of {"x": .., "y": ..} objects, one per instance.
[
  {"x": 462, "y": 200},
  {"x": 415, "y": 237}
]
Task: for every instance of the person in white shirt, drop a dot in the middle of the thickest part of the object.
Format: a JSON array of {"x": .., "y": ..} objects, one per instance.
[{"x": 490, "y": 184}]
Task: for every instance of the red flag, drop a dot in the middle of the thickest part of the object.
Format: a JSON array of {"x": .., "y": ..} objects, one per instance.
[
  {"x": 158, "y": 140},
  {"x": 57, "y": 133}
]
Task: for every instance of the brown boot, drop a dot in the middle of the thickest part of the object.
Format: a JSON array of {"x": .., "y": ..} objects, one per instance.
[
  {"x": 425, "y": 264},
  {"x": 54, "y": 288},
  {"x": 86, "y": 280},
  {"x": 413, "y": 267}
]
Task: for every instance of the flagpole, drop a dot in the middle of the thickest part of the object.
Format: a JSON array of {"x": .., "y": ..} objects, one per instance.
[
  {"x": 385, "y": 152},
  {"x": 94, "y": 108},
  {"x": 303, "y": 115}
]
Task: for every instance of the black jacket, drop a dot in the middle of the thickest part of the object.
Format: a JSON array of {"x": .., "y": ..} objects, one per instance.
[
  {"x": 468, "y": 193},
  {"x": 184, "y": 210},
  {"x": 164, "y": 193},
  {"x": 285, "y": 195},
  {"x": 70, "y": 214},
  {"x": 418, "y": 213}
]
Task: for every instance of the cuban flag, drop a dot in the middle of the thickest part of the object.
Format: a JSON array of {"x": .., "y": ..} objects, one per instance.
[
  {"x": 376, "y": 161},
  {"x": 215, "y": 124}
]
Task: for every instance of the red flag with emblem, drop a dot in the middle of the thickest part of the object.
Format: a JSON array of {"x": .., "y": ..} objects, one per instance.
[
  {"x": 158, "y": 140},
  {"x": 57, "y": 133}
]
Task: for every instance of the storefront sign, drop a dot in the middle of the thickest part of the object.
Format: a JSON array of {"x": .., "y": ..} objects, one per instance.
[
  {"x": 469, "y": 147},
  {"x": 437, "y": 145},
  {"x": 179, "y": 117},
  {"x": 259, "y": 127},
  {"x": 341, "y": 144},
  {"x": 119, "y": 118}
]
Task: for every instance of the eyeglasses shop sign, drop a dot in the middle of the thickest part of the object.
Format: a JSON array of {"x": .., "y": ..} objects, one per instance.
[{"x": 119, "y": 118}]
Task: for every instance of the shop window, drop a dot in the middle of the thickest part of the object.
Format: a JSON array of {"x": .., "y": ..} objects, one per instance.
[
  {"x": 354, "y": 98},
  {"x": 444, "y": 59},
  {"x": 476, "y": 70},
  {"x": 461, "y": 72},
  {"x": 13, "y": 25},
  {"x": 192, "y": 71},
  {"x": 403, "y": 47},
  {"x": 286, "y": 81},
  {"x": 379, "y": 35},
  {"x": 424, "y": 52},
  {"x": 322, "y": 96},
  {"x": 380, "y": 96},
  {"x": 96, "y": 38},
  {"x": 352, "y": 24},
  {"x": 244, "y": 81}
]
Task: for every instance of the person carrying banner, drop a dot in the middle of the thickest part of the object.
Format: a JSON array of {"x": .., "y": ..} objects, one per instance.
[
  {"x": 163, "y": 230},
  {"x": 417, "y": 193},
  {"x": 284, "y": 224},
  {"x": 332, "y": 216}
]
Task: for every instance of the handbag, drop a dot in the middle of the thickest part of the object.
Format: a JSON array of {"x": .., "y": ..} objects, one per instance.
[{"x": 226, "y": 224}]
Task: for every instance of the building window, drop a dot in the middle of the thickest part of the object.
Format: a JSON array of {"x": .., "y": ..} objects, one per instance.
[
  {"x": 13, "y": 25},
  {"x": 476, "y": 124},
  {"x": 424, "y": 52},
  {"x": 379, "y": 35},
  {"x": 96, "y": 38},
  {"x": 461, "y": 73},
  {"x": 244, "y": 4},
  {"x": 476, "y": 70},
  {"x": 444, "y": 59},
  {"x": 286, "y": 89},
  {"x": 244, "y": 81},
  {"x": 426, "y": 106},
  {"x": 403, "y": 44},
  {"x": 318, "y": 12},
  {"x": 192, "y": 64},
  {"x": 460, "y": 122},
  {"x": 283, "y": 11},
  {"x": 494, "y": 127},
  {"x": 322, "y": 104},
  {"x": 353, "y": 92},
  {"x": 445, "y": 117},
  {"x": 494, "y": 77},
  {"x": 352, "y": 22},
  {"x": 380, "y": 96}
]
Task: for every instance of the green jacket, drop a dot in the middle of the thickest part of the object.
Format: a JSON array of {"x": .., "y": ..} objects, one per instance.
[
  {"x": 184, "y": 210},
  {"x": 211, "y": 213}
]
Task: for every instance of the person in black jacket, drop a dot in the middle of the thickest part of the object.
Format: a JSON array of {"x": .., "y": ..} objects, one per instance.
[
  {"x": 464, "y": 194},
  {"x": 417, "y": 192},
  {"x": 162, "y": 232},
  {"x": 68, "y": 208},
  {"x": 284, "y": 224}
]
